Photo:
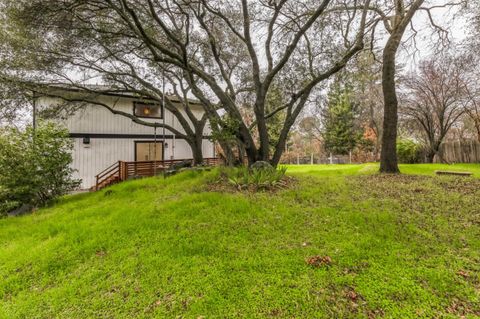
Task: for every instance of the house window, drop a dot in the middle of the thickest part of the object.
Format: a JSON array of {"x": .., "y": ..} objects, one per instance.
[
  {"x": 148, "y": 151},
  {"x": 149, "y": 110}
]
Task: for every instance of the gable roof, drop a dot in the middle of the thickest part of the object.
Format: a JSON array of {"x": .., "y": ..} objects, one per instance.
[{"x": 105, "y": 90}]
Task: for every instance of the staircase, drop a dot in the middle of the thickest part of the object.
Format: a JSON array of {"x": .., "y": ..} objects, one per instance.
[{"x": 109, "y": 176}]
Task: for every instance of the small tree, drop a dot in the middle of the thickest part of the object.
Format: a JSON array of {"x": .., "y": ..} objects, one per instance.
[
  {"x": 340, "y": 132},
  {"x": 435, "y": 99},
  {"x": 34, "y": 166}
]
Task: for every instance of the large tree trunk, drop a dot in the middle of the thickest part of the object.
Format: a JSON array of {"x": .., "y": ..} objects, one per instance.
[
  {"x": 281, "y": 143},
  {"x": 280, "y": 147},
  {"x": 439, "y": 154},
  {"x": 477, "y": 126},
  {"x": 241, "y": 154},
  {"x": 430, "y": 156},
  {"x": 264, "y": 147},
  {"x": 252, "y": 154},
  {"x": 388, "y": 156},
  {"x": 227, "y": 153},
  {"x": 196, "y": 147}
]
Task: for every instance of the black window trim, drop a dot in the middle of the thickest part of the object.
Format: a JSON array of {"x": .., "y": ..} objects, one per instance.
[{"x": 148, "y": 103}]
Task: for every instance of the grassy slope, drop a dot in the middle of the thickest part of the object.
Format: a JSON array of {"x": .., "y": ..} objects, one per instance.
[{"x": 167, "y": 248}]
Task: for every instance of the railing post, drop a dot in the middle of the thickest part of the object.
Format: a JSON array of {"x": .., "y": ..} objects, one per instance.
[{"x": 121, "y": 171}]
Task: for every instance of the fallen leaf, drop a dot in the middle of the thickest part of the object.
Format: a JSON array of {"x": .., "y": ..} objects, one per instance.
[{"x": 319, "y": 261}]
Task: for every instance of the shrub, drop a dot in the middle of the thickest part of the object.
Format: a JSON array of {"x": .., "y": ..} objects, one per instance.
[
  {"x": 261, "y": 165},
  {"x": 34, "y": 166},
  {"x": 408, "y": 151},
  {"x": 256, "y": 178}
]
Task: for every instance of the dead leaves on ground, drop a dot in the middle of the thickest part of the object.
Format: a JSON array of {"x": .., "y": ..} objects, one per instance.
[
  {"x": 319, "y": 261},
  {"x": 462, "y": 309},
  {"x": 463, "y": 273}
]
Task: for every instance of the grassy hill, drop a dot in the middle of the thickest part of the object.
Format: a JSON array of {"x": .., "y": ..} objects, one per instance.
[{"x": 400, "y": 247}]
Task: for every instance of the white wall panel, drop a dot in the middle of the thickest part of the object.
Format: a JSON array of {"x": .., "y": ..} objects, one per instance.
[
  {"x": 101, "y": 153},
  {"x": 97, "y": 119},
  {"x": 88, "y": 161}
]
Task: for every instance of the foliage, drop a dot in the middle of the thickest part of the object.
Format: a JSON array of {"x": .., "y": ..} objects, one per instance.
[
  {"x": 274, "y": 100},
  {"x": 34, "y": 166},
  {"x": 224, "y": 129},
  {"x": 408, "y": 151},
  {"x": 340, "y": 131},
  {"x": 166, "y": 248},
  {"x": 259, "y": 165},
  {"x": 365, "y": 77},
  {"x": 132, "y": 45},
  {"x": 255, "y": 178}
]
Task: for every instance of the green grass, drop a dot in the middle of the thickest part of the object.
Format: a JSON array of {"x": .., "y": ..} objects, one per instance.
[
  {"x": 348, "y": 169},
  {"x": 401, "y": 247}
]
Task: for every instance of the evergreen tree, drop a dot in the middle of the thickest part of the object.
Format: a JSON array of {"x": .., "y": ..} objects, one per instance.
[{"x": 340, "y": 132}]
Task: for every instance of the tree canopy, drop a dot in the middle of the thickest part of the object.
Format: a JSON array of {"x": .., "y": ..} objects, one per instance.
[{"x": 222, "y": 52}]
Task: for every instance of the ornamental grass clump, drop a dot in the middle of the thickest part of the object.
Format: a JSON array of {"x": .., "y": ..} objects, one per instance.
[{"x": 256, "y": 178}]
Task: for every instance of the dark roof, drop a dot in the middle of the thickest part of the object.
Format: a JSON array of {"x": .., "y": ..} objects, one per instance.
[{"x": 109, "y": 91}]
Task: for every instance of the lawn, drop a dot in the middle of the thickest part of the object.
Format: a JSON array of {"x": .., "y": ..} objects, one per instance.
[{"x": 400, "y": 247}]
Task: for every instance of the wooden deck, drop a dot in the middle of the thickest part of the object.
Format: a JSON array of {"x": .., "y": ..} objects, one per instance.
[{"x": 121, "y": 170}]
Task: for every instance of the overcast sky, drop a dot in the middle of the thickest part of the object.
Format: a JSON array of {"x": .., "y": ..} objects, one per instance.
[{"x": 449, "y": 19}]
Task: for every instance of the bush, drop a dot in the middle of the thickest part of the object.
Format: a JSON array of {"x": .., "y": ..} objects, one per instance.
[
  {"x": 256, "y": 178},
  {"x": 34, "y": 168},
  {"x": 408, "y": 151}
]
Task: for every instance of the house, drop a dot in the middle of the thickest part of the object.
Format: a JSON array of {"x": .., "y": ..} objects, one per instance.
[{"x": 102, "y": 139}]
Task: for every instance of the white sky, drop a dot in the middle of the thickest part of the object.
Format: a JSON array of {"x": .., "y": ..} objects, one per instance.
[{"x": 455, "y": 24}]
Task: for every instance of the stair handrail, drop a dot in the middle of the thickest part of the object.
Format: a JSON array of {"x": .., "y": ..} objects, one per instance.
[
  {"x": 107, "y": 173},
  {"x": 107, "y": 170}
]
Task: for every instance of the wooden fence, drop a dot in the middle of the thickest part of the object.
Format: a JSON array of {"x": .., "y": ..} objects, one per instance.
[{"x": 460, "y": 152}]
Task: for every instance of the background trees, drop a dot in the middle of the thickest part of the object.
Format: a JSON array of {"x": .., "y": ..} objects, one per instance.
[
  {"x": 435, "y": 99},
  {"x": 365, "y": 81},
  {"x": 470, "y": 76},
  {"x": 396, "y": 17},
  {"x": 258, "y": 64}
]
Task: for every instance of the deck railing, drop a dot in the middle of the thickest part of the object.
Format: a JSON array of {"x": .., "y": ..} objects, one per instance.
[{"x": 122, "y": 170}]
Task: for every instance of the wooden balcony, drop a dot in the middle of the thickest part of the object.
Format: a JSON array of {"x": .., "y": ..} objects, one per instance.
[{"x": 121, "y": 170}]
